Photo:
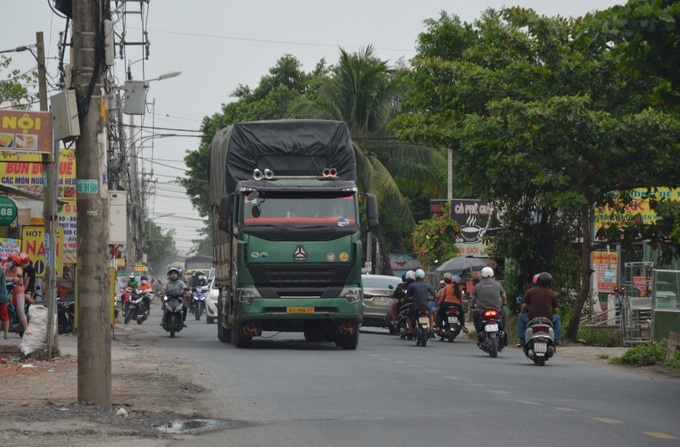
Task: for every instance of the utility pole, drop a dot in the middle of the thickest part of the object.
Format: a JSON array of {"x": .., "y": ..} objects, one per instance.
[
  {"x": 94, "y": 338},
  {"x": 49, "y": 213}
]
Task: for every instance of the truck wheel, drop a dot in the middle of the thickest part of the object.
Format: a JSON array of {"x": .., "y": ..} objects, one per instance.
[
  {"x": 313, "y": 335},
  {"x": 223, "y": 335},
  {"x": 237, "y": 337},
  {"x": 350, "y": 342}
]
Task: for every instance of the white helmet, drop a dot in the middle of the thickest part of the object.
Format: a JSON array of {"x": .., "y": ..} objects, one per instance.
[
  {"x": 487, "y": 272},
  {"x": 420, "y": 273},
  {"x": 410, "y": 275}
]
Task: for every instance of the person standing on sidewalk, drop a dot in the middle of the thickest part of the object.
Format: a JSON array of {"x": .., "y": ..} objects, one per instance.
[
  {"x": 15, "y": 274},
  {"x": 4, "y": 299}
]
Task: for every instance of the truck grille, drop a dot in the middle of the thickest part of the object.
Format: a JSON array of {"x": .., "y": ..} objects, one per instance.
[{"x": 308, "y": 281}]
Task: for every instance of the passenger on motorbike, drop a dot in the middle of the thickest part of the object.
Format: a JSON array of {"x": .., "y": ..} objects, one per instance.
[
  {"x": 418, "y": 291},
  {"x": 175, "y": 286},
  {"x": 399, "y": 294},
  {"x": 487, "y": 294},
  {"x": 451, "y": 296},
  {"x": 539, "y": 301}
]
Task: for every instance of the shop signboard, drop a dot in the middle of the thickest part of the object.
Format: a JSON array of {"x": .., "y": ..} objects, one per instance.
[
  {"x": 605, "y": 266},
  {"x": 33, "y": 243},
  {"x": 472, "y": 215},
  {"x": 25, "y": 131},
  {"x": 8, "y": 211}
]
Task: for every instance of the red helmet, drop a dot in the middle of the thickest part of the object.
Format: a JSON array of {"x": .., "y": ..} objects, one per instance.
[
  {"x": 24, "y": 258},
  {"x": 15, "y": 258}
]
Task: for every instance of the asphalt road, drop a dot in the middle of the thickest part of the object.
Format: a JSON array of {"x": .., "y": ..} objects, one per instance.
[{"x": 283, "y": 391}]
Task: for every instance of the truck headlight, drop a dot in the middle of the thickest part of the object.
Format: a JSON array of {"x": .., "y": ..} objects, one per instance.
[
  {"x": 246, "y": 296},
  {"x": 351, "y": 294}
]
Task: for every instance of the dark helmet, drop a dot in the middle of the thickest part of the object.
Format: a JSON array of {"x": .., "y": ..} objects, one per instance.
[
  {"x": 403, "y": 277},
  {"x": 544, "y": 279}
]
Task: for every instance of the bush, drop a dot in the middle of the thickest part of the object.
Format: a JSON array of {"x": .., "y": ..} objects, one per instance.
[
  {"x": 599, "y": 337},
  {"x": 644, "y": 355}
]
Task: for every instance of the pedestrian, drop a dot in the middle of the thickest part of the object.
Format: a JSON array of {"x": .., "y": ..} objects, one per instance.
[
  {"x": 4, "y": 299},
  {"x": 29, "y": 277},
  {"x": 15, "y": 274}
]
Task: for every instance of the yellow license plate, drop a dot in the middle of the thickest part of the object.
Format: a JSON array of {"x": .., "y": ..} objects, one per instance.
[{"x": 299, "y": 310}]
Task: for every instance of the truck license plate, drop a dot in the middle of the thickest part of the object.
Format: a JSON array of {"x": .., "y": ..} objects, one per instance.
[{"x": 299, "y": 310}]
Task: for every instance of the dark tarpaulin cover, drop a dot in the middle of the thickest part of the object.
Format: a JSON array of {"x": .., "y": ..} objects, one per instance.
[{"x": 286, "y": 147}]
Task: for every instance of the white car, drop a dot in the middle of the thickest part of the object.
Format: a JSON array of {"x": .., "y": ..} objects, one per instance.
[{"x": 211, "y": 303}]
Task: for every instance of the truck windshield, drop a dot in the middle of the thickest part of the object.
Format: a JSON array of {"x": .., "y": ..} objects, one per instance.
[{"x": 300, "y": 211}]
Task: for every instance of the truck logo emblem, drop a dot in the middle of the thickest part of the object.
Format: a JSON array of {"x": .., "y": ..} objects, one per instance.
[{"x": 300, "y": 254}]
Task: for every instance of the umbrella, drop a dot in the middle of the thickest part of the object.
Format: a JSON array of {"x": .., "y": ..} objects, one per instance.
[{"x": 456, "y": 266}]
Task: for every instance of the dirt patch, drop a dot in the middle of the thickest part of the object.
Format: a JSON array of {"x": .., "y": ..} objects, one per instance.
[{"x": 39, "y": 399}]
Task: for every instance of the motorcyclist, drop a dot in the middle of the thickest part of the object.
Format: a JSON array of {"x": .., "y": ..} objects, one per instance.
[
  {"x": 132, "y": 281},
  {"x": 487, "y": 294},
  {"x": 418, "y": 291},
  {"x": 175, "y": 286},
  {"x": 539, "y": 301},
  {"x": 145, "y": 287},
  {"x": 451, "y": 296},
  {"x": 197, "y": 281}
]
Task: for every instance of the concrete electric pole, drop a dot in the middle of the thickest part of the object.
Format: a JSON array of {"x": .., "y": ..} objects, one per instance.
[{"x": 94, "y": 338}]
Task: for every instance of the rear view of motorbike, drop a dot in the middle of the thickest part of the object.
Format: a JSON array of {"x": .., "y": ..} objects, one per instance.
[
  {"x": 449, "y": 327},
  {"x": 540, "y": 340},
  {"x": 421, "y": 326},
  {"x": 495, "y": 338}
]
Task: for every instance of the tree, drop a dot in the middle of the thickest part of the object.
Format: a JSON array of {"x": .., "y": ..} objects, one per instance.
[
  {"x": 645, "y": 35},
  {"x": 541, "y": 125},
  {"x": 161, "y": 247},
  {"x": 15, "y": 85},
  {"x": 434, "y": 238},
  {"x": 364, "y": 92}
]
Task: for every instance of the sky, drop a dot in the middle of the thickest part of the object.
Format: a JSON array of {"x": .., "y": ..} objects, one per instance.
[{"x": 221, "y": 44}]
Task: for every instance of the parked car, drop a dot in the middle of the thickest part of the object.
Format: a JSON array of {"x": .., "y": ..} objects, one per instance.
[
  {"x": 378, "y": 299},
  {"x": 211, "y": 303}
]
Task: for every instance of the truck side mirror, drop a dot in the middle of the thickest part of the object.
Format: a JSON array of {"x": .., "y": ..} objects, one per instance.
[
  {"x": 224, "y": 214},
  {"x": 372, "y": 211}
]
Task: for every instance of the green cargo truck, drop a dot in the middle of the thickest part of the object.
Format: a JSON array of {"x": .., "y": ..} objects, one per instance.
[{"x": 286, "y": 234}]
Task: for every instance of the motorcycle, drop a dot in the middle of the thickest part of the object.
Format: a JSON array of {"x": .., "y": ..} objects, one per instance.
[
  {"x": 172, "y": 314},
  {"x": 122, "y": 300},
  {"x": 495, "y": 338},
  {"x": 449, "y": 327},
  {"x": 421, "y": 326},
  {"x": 401, "y": 325},
  {"x": 66, "y": 316},
  {"x": 198, "y": 303},
  {"x": 138, "y": 306},
  {"x": 540, "y": 340}
]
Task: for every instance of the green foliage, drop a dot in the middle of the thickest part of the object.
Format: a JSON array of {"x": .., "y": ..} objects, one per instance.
[
  {"x": 603, "y": 337},
  {"x": 644, "y": 355},
  {"x": 15, "y": 85},
  {"x": 543, "y": 127},
  {"x": 434, "y": 238},
  {"x": 161, "y": 247}
]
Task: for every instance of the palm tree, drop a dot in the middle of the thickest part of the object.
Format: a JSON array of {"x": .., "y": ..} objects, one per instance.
[{"x": 364, "y": 92}]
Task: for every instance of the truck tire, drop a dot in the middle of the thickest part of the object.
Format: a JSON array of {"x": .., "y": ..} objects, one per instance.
[
  {"x": 350, "y": 342},
  {"x": 223, "y": 335},
  {"x": 239, "y": 340}
]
